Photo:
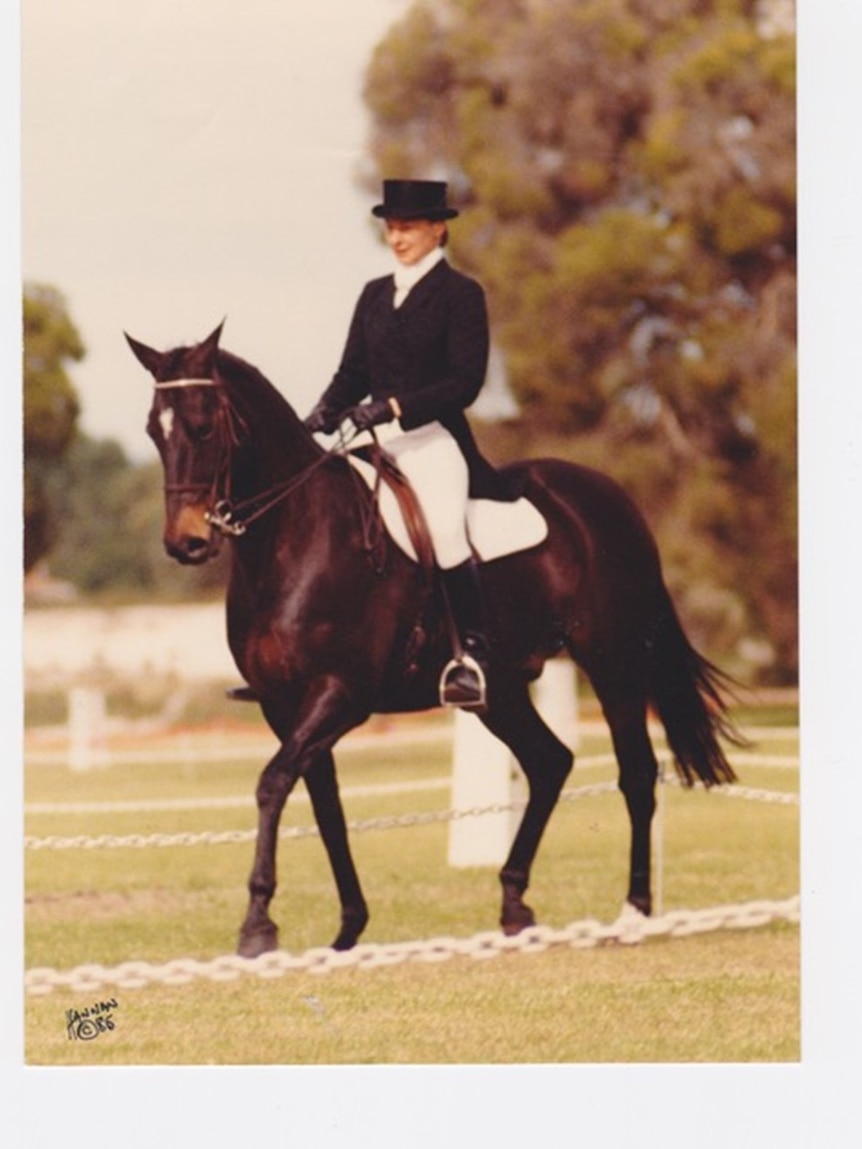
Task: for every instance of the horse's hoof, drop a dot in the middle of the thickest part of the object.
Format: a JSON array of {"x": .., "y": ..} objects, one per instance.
[
  {"x": 643, "y": 904},
  {"x": 344, "y": 941},
  {"x": 631, "y": 925},
  {"x": 252, "y": 945},
  {"x": 515, "y": 919},
  {"x": 353, "y": 922}
]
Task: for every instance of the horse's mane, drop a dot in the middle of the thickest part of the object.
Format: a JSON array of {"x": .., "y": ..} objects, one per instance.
[{"x": 253, "y": 394}]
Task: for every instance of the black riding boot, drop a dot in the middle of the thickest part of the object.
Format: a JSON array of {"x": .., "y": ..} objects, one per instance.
[{"x": 463, "y": 680}]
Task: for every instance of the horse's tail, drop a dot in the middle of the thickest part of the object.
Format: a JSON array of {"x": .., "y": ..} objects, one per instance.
[{"x": 687, "y": 692}]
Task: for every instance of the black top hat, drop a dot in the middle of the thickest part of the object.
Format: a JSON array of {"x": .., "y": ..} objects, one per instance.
[{"x": 414, "y": 199}]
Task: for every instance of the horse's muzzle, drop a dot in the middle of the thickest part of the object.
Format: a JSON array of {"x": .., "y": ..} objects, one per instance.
[{"x": 189, "y": 538}]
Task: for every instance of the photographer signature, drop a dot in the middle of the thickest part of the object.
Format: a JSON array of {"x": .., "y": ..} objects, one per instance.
[{"x": 89, "y": 1023}]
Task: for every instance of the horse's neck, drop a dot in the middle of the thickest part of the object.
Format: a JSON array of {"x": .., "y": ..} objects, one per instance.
[
  {"x": 276, "y": 446},
  {"x": 293, "y": 540}
]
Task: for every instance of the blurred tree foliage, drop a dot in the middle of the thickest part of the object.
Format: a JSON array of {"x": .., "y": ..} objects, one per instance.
[
  {"x": 50, "y": 408},
  {"x": 629, "y": 169},
  {"x": 109, "y": 539},
  {"x": 87, "y": 508}
]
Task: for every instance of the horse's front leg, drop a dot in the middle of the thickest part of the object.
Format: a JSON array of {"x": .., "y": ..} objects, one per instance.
[
  {"x": 329, "y": 814},
  {"x": 306, "y": 751},
  {"x": 259, "y": 933}
]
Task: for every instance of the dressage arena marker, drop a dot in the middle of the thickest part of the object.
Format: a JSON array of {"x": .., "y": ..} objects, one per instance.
[{"x": 87, "y": 723}]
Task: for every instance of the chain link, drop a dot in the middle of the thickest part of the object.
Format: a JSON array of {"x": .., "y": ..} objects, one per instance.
[
  {"x": 390, "y": 822},
  {"x": 630, "y": 928},
  {"x": 752, "y": 793}
]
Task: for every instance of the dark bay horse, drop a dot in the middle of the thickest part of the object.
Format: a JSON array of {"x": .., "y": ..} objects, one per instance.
[{"x": 325, "y": 637}]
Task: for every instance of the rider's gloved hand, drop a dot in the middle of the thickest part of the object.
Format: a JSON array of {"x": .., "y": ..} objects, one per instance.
[
  {"x": 323, "y": 418},
  {"x": 367, "y": 415}
]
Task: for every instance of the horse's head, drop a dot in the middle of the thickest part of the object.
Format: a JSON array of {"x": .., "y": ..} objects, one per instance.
[{"x": 194, "y": 428}]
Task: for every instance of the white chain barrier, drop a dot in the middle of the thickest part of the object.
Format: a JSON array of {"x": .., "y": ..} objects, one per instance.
[
  {"x": 391, "y": 822},
  {"x": 630, "y": 928}
]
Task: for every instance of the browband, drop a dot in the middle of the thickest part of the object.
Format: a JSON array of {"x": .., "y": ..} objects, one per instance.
[{"x": 186, "y": 383}]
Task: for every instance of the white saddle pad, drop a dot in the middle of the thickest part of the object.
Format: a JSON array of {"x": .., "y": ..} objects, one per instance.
[{"x": 495, "y": 528}]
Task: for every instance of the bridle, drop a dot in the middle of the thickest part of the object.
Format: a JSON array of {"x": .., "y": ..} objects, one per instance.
[
  {"x": 225, "y": 516},
  {"x": 230, "y": 431}
]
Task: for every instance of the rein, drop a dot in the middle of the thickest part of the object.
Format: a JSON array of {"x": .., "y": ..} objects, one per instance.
[
  {"x": 234, "y": 519},
  {"x": 225, "y": 517}
]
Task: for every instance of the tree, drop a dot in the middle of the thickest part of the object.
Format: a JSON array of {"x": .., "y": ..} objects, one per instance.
[
  {"x": 109, "y": 538},
  {"x": 50, "y": 408},
  {"x": 630, "y": 171}
]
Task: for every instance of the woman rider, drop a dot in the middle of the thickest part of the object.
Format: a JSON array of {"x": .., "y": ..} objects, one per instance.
[{"x": 415, "y": 357}]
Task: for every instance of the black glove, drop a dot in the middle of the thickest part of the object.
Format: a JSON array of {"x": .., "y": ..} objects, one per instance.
[
  {"x": 367, "y": 415},
  {"x": 323, "y": 418}
]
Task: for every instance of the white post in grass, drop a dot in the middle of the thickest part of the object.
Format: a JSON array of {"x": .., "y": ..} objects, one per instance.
[
  {"x": 482, "y": 770},
  {"x": 86, "y": 728},
  {"x": 658, "y": 843},
  {"x": 556, "y": 698},
  {"x": 484, "y": 773}
]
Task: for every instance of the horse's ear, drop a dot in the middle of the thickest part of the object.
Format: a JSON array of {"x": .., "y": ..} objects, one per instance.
[
  {"x": 204, "y": 357},
  {"x": 214, "y": 337},
  {"x": 146, "y": 356}
]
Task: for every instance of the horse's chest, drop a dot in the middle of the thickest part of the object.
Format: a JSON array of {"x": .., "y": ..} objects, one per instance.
[
  {"x": 265, "y": 655},
  {"x": 260, "y": 647}
]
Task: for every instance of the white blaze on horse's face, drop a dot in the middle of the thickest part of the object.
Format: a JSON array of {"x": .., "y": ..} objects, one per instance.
[{"x": 166, "y": 422}]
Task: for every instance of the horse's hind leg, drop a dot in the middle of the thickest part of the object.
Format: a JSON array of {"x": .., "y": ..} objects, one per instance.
[
  {"x": 546, "y": 762},
  {"x": 625, "y": 712},
  {"x": 326, "y": 801}
]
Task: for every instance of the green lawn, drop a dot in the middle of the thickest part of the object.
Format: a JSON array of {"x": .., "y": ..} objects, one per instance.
[
  {"x": 731, "y": 996},
  {"x": 726, "y": 996}
]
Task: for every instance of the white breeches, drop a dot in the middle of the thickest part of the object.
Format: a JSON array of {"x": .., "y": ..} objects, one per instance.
[{"x": 437, "y": 470}]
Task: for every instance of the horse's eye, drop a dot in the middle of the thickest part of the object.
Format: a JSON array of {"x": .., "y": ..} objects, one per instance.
[{"x": 203, "y": 432}]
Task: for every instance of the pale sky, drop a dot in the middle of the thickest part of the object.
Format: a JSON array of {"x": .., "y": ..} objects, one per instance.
[{"x": 186, "y": 160}]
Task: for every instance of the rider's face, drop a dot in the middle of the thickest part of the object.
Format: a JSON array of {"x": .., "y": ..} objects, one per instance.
[{"x": 411, "y": 239}]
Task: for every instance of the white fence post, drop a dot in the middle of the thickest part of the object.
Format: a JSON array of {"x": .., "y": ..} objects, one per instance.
[
  {"x": 556, "y": 698},
  {"x": 484, "y": 772},
  {"x": 86, "y": 726},
  {"x": 481, "y": 776}
]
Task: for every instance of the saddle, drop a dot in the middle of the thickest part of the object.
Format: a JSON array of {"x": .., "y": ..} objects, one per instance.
[{"x": 495, "y": 528}]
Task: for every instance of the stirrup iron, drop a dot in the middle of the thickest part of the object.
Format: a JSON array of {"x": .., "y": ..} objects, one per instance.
[{"x": 448, "y": 688}]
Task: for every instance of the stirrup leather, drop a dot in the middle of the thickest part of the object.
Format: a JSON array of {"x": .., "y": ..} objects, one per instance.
[{"x": 453, "y": 693}]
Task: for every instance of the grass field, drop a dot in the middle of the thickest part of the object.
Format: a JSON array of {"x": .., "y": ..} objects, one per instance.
[{"x": 726, "y": 996}]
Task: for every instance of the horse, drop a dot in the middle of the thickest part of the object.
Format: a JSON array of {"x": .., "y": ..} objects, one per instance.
[{"x": 326, "y": 634}]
